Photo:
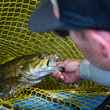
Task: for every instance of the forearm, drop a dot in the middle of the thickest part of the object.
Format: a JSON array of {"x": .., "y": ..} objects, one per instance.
[{"x": 90, "y": 72}]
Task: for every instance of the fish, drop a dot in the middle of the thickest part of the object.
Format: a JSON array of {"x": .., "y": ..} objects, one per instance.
[{"x": 24, "y": 72}]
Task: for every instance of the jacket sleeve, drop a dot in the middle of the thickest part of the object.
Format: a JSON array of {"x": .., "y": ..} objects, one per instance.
[{"x": 90, "y": 72}]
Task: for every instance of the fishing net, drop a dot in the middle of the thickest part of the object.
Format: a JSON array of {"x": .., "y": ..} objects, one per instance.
[{"x": 17, "y": 40}]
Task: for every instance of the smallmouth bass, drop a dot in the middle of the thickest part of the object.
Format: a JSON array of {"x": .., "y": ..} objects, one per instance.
[{"x": 24, "y": 72}]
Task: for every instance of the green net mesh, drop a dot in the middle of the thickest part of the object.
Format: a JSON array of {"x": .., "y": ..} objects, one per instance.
[{"x": 17, "y": 40}]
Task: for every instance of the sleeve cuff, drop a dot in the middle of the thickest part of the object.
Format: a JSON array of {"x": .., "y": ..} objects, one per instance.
[
  {"x": 84, "y": 69},
  {"x": 90, "y": 72}
]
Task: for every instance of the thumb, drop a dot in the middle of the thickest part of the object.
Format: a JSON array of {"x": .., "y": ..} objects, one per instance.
[{"x": 71, "y": 66}]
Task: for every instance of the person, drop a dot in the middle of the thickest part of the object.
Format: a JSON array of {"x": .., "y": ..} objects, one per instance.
[{"x": 87, "y": 22}]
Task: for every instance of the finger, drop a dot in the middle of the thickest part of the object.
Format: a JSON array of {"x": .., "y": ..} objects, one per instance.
[
  {"x": 58, "y": 75},
  {"x": 71, "y": 66}
]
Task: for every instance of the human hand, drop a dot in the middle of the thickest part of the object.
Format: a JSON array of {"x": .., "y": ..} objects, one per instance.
[{"x": 71, "y": 71}]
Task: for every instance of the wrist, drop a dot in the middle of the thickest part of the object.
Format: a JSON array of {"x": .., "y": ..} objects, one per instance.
[{"x": 78, "y": 72}]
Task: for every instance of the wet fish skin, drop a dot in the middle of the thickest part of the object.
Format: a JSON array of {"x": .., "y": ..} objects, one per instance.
[{"x": 13, "y": 73}]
